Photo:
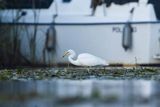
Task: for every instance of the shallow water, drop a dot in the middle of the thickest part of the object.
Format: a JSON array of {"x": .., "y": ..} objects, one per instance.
[
  {"x": 80, "y": 87},
  {"x": 80, "y": 93}
]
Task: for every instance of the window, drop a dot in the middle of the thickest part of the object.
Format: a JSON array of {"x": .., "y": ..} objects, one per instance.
[
  {"x": 156, "y": 4},
  {"x": 28, "y": 4},
  {"x": 66, "y": 1}
]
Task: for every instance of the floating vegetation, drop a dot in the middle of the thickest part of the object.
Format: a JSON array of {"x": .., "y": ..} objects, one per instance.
[{"x": 146, "y": 73}]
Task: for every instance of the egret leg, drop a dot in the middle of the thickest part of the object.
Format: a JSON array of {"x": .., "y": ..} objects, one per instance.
[
  {"x": 68, "y": 65},
  {"x": 88, "y": 69},
  {"x": 104, "y": 68}
]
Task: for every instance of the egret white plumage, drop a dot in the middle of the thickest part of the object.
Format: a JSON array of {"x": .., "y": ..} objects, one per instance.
[{"x": 84, "y": 59}]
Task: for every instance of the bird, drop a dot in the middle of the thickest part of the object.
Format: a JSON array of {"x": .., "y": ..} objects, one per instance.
[{"x": 84, "y": 59}]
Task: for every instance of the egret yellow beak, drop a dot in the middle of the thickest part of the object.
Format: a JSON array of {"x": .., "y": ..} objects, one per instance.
[{"x": 65, "y": 54}]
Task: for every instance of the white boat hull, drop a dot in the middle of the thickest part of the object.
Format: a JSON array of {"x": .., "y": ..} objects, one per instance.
[{"x": 103, "y": 40}]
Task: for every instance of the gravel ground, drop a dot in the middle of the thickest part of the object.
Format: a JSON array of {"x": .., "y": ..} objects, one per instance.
[{"x": 78, "y": 73}]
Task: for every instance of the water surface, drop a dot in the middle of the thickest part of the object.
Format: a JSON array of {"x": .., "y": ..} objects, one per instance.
[{"x": 80, "y": 93}]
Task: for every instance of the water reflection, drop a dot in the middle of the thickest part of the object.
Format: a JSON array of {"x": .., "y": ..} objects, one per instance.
[{"x": 80, "y": 93}]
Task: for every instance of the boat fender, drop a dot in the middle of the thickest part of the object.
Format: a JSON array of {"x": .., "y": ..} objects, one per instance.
[
  {"x": 50, "y": 43},
  {"x": 127, "y": 36}
]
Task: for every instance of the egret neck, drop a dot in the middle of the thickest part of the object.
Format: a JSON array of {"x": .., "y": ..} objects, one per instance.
[{"x": 70, "y": 58}]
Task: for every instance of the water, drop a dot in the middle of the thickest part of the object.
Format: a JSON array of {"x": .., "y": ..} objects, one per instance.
[
  {"x": 80, "y": 87},
  {"x": 80, "y": 93}
]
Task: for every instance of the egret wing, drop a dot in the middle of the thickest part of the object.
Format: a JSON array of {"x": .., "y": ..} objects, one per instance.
[{"x": 90, "y": 60}]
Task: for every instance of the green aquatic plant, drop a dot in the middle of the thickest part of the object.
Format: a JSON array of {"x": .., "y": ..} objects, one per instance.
[
  {"x": 111, "y": 98},
  {"x": 95, "y": 94},
  {"x": 118, "y": 73},
  {"x": 20, "y": 71},
  {"x": 5, "y": 74},
  {"x": 4, "y": 77},
  {"x": 71, "y": 100}
]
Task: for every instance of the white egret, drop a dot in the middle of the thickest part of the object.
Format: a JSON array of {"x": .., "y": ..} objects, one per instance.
[{"x": 84, "y": 59}]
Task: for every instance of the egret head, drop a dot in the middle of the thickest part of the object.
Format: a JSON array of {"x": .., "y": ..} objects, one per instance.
[{"x": 69, "y": 52}]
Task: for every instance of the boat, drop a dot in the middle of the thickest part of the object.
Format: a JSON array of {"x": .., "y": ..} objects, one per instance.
[{"x": 124, "y": 32}]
